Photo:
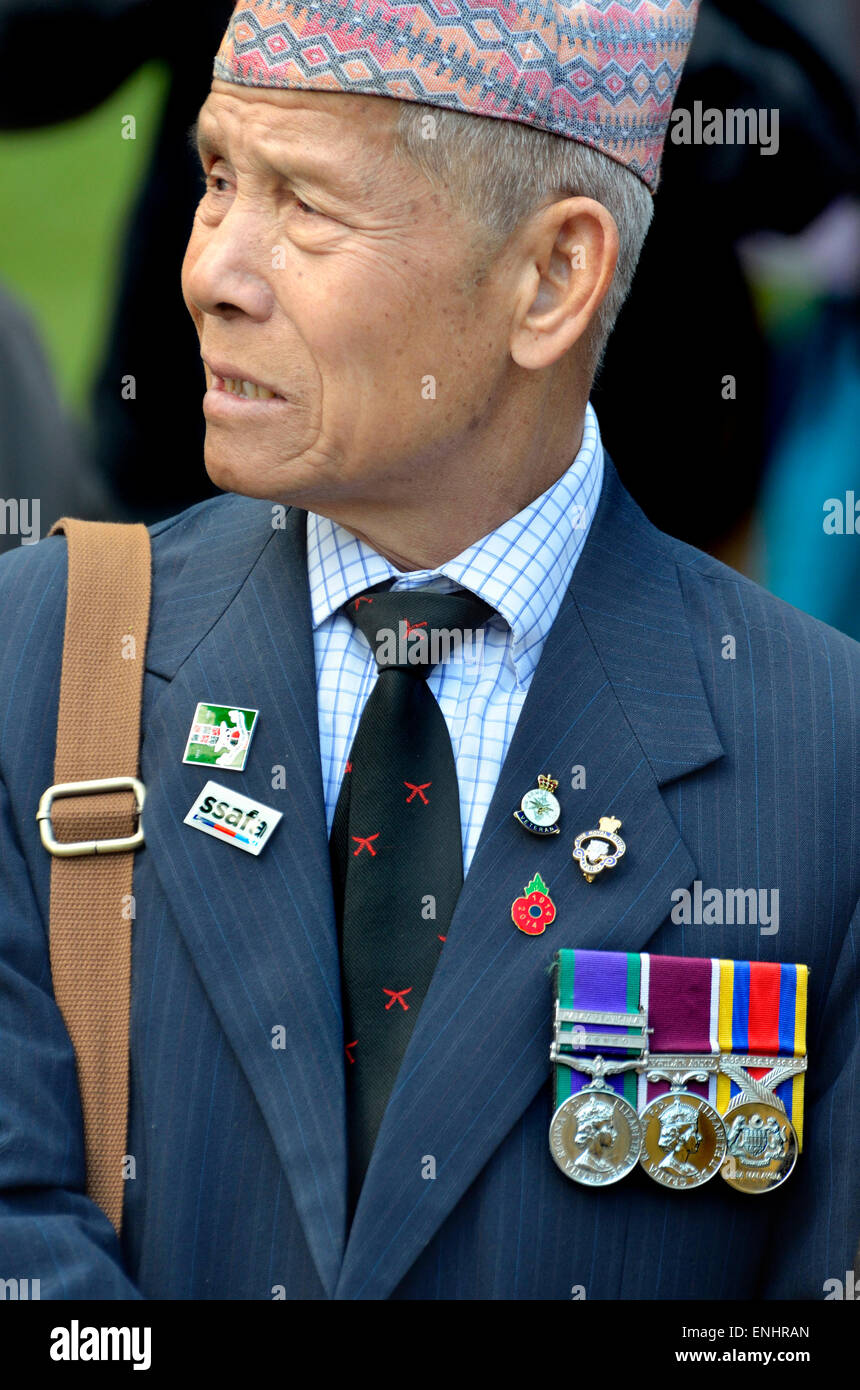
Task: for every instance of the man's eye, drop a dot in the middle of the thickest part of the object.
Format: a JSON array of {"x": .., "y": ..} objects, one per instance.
[
  {"x": 305, "y": 208},
  {"x": 214, "y": 180}
]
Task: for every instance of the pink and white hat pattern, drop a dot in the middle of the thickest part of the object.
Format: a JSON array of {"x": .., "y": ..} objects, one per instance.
[{"x": 603, "y": 73}]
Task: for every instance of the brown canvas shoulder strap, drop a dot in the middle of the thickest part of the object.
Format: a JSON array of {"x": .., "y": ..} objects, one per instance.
[{"x": 93, "y": 830}]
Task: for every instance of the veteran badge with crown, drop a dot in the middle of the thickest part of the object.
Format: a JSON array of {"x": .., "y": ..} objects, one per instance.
[{"x": 539, "y": 811}]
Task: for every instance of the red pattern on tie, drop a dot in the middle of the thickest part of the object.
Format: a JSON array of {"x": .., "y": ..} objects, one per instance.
[
  {"x": 397, "y": 997},
  {"x": 420, "y": 789},
  {"x": 364, "y": 843}
]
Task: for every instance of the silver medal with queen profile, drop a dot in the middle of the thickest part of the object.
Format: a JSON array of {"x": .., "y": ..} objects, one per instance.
[
  {"x": 683, "y": 1136},
  {"x": 595, "y": 1136}
]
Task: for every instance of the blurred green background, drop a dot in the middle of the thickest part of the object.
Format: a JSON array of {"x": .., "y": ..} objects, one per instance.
[{"x": 67, "y": 194}]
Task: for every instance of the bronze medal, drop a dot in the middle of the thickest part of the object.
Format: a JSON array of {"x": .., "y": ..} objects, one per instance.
[{"x": 762, "y": 1147}]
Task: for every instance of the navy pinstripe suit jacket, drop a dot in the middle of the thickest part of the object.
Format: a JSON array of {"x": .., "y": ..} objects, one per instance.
[{"x": 739, "y": 772}]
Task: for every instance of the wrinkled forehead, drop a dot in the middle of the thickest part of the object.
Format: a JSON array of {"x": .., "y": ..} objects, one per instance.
[{"x": 260, "y": 114}]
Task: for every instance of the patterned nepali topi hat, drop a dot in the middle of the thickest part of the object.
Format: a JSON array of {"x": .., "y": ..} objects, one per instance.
[{"x": 602, "y": 73}]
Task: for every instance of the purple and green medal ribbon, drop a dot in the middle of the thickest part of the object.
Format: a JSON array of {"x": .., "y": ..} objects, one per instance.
[{"x": 605, "y": 980}]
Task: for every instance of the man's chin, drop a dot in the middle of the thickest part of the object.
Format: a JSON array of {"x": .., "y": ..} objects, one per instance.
[
  {"x": 289, "y": 481},
  {"x": 225, "y": 475}
]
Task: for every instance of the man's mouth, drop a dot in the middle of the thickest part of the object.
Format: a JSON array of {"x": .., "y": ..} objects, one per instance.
[
  {"x": 237, "y": 386},
  {"x": 226, "y": 378}
]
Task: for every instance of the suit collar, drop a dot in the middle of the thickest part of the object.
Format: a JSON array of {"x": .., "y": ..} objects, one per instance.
[
  {"x": 203, "y": 557},
  {"x": 627, "y": 591},
  {"x": 625, "y": 587}
]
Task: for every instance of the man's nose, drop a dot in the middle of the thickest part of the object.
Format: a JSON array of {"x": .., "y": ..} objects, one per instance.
[{"x": 228, "y": 275}]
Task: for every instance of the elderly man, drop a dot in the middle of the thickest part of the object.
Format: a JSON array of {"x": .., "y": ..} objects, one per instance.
[{"x": 416, "y": 232}]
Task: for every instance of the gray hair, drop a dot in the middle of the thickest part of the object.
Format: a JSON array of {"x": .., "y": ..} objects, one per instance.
[{"x": 498, "y": 172}]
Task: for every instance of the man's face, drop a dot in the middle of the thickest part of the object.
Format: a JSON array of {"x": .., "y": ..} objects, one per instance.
[{"x": 329, "y": 272}]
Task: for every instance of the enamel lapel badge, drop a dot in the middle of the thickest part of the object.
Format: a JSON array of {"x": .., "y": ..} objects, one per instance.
[
  {"x": 236, "y": 820},
  {"x": 220, "y": 736},
  {"x": 539, "y": 811},
  {"x": 596, "y": 850},
  {"x": 534, "y": 911}
]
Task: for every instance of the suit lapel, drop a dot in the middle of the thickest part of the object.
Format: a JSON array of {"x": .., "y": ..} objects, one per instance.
[
  {"x": 617, "y": 693},
  {"x": 261, "y": 930}
]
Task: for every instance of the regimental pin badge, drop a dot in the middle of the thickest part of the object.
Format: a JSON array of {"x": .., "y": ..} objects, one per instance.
[
  {"x": 539, "y": 811},
  {"x": 596, "y": 850},
  {"x": 534, "y": 911},
  {"x": 220, "y": 736}
]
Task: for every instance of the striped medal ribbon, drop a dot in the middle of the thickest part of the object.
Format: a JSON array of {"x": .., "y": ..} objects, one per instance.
[
  {"x": 595, "y": 1135},
  {"x": 762, "y": 1038}
]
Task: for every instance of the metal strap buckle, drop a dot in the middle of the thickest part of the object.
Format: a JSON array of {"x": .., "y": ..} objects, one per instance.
[{"x": 74, "y": 848}]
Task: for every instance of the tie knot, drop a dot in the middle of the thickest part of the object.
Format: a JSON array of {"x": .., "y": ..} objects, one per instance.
[{"x": 414, "y": 629}]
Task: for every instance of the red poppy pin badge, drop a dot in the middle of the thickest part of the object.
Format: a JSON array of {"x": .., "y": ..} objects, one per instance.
[{"x": 533, "y": 912}]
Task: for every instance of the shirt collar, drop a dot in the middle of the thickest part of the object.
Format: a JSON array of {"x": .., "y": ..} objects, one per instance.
[{"x": 522, "y": 569}]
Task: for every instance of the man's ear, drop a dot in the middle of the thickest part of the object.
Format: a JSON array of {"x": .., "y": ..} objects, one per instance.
[{"x": 568, "y": 254}]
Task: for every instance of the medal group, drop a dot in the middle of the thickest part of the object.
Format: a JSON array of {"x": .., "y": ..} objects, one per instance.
[
  {"x": 613, "y": 1111},
  {"x": 685, "y": 1067}
]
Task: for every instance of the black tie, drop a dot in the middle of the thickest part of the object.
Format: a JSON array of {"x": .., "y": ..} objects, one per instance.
[{"x": 396, "y": 849}]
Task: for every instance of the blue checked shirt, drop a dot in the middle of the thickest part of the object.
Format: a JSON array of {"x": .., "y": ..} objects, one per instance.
[{"x": 521, "y": 570}]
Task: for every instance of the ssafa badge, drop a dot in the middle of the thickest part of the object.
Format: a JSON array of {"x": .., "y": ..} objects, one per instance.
[
  {"x": 220, "y": 736},
  {"x": 236, "y": 820}
]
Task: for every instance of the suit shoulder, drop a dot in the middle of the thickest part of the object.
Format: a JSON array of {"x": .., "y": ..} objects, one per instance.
[
  {"x": 705, "y": 579},
  {"x": 221, "y": 534},
  {"x": 32, "y": 592},
  {"x": 222, "y": 521}
]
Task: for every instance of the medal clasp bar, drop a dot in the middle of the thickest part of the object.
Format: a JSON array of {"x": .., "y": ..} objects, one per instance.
[{"x": 580, "y": 1040}]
